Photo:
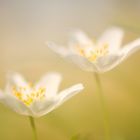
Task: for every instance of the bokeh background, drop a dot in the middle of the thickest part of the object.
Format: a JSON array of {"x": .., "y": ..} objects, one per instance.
[{"x": 26, "y": 25}]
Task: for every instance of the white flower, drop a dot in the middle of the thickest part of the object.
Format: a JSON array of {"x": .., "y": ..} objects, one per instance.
[
  {"x": 37, "y": 100},
  {"x": 99, "y": 55}
]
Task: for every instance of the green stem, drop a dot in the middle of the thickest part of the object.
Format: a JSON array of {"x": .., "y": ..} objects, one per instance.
[
  {"x": 104, "y": 108},
  {"x": 32, "y": 122}
]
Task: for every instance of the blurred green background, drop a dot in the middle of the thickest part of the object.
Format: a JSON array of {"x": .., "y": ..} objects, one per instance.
[{"x": 24, "y": 28}]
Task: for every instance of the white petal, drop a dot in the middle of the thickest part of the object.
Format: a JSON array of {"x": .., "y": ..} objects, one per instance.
[
  {"x": 16, "y": 79},
  {"x": 131, "y": 48},
  {"x": 51, "y": 82},
  {"x": 43, "y": 107},
  {"x": 70, "y": 92},
  {"x": 108, "y": 62},
  {"x": 46, "y": 106},
  {"x": 82, "y": 62},
  {"x": 58, "y": 49},
  {"x": 80, "y": 38},
  {"x": 15, "y": 105},
  {"x": 113, "y": 36}
]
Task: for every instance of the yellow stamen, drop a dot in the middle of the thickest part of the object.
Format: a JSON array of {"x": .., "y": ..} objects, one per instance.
[
  {"x": 92, "y": 57},
  {"x": 23, "y": 94},
  {"x": 92, "y": 53}
]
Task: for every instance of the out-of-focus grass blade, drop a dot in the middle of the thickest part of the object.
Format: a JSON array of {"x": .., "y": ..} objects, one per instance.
[
  {"x": 76, "y": 137},
  {"x": 81, "y": 137}
]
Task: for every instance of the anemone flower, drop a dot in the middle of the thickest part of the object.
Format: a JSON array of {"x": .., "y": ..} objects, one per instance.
[
  {"x": 38, "y": 99},
  {"x": 99, "y": 55}
]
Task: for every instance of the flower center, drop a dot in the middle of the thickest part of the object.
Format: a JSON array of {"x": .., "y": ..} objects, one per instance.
[
  {"x": 92, "y": 53},
  {"x": 28, "y": 94}
]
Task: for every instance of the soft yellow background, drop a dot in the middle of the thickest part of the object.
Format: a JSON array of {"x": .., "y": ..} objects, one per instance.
[{"x": 25, "y": 25}]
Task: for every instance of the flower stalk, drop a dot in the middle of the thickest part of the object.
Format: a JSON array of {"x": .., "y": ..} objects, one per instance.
[
  {"x": 105, "y": 113},
  {"x": 32, "y": 123}
]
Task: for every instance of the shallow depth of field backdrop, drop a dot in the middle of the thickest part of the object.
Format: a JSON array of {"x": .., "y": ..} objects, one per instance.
[{"x": 24, "y": 28}]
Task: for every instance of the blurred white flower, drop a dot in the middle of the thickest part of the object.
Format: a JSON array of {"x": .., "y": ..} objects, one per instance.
[
  {"x": 36, "y": 100},
  {"x": 97, "y": 55}
]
